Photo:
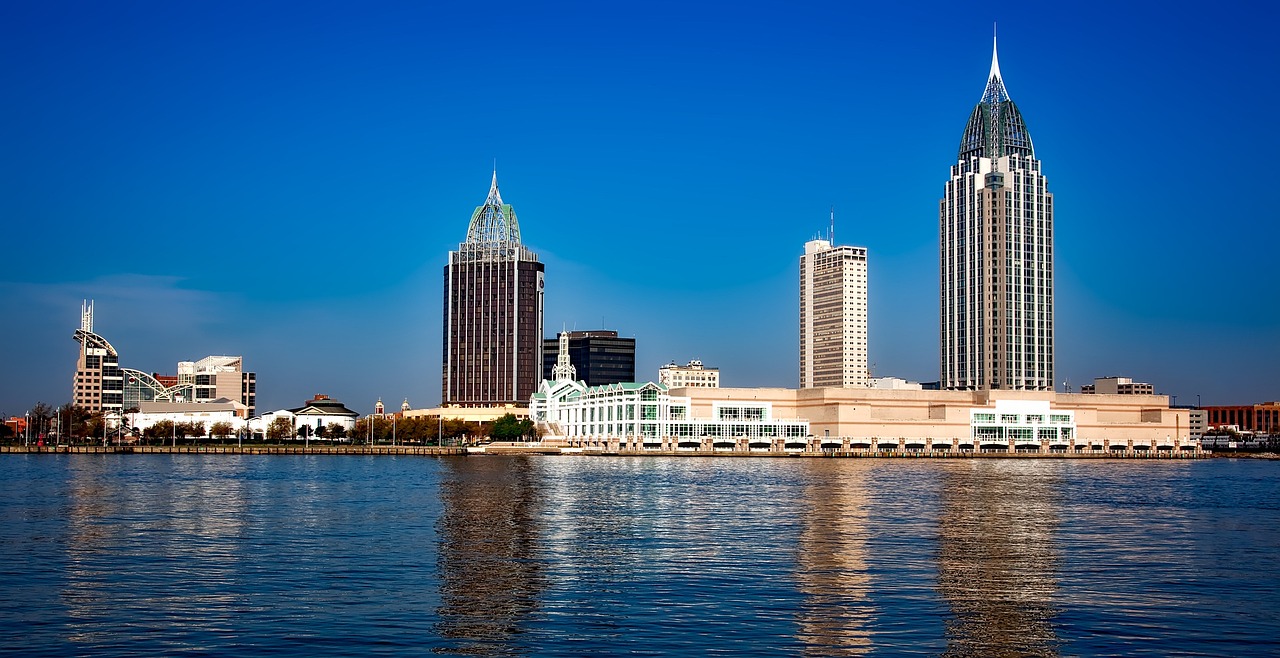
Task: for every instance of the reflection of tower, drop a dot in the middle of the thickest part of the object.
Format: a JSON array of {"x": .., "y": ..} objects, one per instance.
[
  {"x": 489, "y": 581},
  {"x": 492, "y": 312},
  {"x": 997, "y": 560},
  {"x": 832, "y": 569}
]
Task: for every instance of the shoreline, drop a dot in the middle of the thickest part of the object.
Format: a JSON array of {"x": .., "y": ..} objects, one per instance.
[{"x": 533, "y": 449}]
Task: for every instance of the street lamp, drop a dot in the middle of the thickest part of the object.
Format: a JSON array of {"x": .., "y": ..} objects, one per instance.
[{"x": 26, "y": 429}]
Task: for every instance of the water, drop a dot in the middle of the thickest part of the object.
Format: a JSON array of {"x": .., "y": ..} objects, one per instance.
[{"x": 547, "y": 556}]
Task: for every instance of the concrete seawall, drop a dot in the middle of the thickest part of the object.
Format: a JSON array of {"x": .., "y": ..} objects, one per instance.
[
  {"x": 240, "y": 450},
  {"x": 531, "y": 449}
]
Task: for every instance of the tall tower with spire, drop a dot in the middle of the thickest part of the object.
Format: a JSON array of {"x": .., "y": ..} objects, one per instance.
[
  {"x": 996, "y": 248},
  {"x": 492, "y": 312}
]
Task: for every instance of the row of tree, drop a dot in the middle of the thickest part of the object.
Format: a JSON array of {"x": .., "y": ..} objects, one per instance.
[{"x": 75, "y": 422}]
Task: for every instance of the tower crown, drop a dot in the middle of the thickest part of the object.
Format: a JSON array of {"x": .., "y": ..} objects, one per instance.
[
  {"x": 995, "y": 127},
  {"x": 494, "y": 232}
]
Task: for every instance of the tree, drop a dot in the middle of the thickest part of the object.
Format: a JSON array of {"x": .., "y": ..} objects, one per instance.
[
  {"x": 334, "y": 431},
  {"x": 280, "y": 428},
  {"x": 508, "y": 428},
  {"x": 161, "y": 430},
  {"x": 39, "y": 417},
  {"x": 77, "y": 420},
  {"x": 221, "y": 430},
  {"x": 305, "y": 431}
]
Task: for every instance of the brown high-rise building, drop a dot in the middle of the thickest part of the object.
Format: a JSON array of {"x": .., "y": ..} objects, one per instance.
[{"x": 492, "y": 312}]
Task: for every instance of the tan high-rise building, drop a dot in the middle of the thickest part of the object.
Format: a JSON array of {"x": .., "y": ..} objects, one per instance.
[
  {"x": 996, "y": 253},
  {"x": 833, "y": 315},
  {"x": 99, "y": 383}
]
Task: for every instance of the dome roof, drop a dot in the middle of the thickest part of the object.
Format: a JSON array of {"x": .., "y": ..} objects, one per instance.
[{"x": 995, "y": 127}]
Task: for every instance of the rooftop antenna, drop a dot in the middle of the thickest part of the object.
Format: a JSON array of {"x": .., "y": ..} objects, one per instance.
[{"x": 832, "y": 234}]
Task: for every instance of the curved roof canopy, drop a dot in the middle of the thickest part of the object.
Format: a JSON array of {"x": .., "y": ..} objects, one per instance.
[
  {"x": 94, "y": 340},
  {"x": 995, "y": 127}
]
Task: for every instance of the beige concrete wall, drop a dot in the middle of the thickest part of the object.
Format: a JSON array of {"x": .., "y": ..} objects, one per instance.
[{"x": 866, "y": 413}]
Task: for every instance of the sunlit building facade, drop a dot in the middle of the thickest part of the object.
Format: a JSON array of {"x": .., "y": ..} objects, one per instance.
[
  {"x": 99, "y": 383},
  {"x": 996, "y": 247},
  {"x": 493, "y": 312},
  {"x": 833, "y": 315}
]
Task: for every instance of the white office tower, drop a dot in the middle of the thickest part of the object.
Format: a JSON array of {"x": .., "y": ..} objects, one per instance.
[{"x": 833, "y": 315}]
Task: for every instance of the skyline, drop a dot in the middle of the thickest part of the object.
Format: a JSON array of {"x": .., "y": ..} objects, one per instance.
[{"x": 281, "y": 184}]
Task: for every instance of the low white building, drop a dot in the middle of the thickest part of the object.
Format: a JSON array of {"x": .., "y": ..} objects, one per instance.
[
  {"x": 893, "y": 384},
  {"x": 1028, "y": 424},
  {"x": 318, "y": 413},
  {"x": 221, "y": 410},
  {"x": 648, "y": 412}
]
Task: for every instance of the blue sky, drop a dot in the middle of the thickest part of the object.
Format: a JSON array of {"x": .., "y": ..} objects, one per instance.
[{"x": 284, "y": 180}]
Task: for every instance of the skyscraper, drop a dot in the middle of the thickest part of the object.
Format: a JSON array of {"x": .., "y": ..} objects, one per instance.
[
  {"x": 99, "y": 383},
  {"x": 996, "y": 247},
  {"x": 492, "y": 312},
  {"x": 599, "y": 356},
  {"x": 833, "y": 315}
]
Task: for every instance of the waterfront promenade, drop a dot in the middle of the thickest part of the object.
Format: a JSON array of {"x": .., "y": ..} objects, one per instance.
[
  {"x": 242, "y": 450},
  {"x": 504, "y": 448}
]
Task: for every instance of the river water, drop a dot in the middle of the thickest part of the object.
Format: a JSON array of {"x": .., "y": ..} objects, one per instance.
[{"x": 114, "y": 555}]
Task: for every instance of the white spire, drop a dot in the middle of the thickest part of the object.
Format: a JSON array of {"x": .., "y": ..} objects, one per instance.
[
  {"x": 995, "y": 61},
  {"x": 494, "y": 197},
  {"x": 564, "y": 369},
  {"x": 995, "y": 91}
]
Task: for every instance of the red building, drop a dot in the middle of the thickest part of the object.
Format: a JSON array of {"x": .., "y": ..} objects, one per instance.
[{"x": 1264, "y": 417}]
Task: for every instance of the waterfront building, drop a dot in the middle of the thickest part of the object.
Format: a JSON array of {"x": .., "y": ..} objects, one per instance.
[
  {"x": 645, "y": 412},
  {"x": 694, "y": 374},
  {"x": 315, "y": 414},
  {"x": 216, "y": 377},
  {"x": 1117, "y": 386},
  {"x": 996, "y": 253},
  {"x": 493, "y": 312},
  {"x": 833, "y": 315},
  {"x": 207, "y": 412},
  {"x": 601, "y": 357},
  {"x": 1262, "y": 417},
  {"x": 990, "y": 420},
  {"x": 99, "y": 383},
  {"x": 210, "y": 378}
]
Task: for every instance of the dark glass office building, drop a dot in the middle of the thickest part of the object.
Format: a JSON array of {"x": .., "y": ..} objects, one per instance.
[
  {"x": 492, "y": 312},
  {"x": 600, "y": 357}
]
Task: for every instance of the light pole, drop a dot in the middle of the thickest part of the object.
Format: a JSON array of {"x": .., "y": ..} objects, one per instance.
[
  {"x": 26, "y": 429},
  {"x": 393, "y": 431}
]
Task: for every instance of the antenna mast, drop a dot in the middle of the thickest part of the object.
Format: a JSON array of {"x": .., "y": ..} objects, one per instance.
[{"x": 832, "y": 233}]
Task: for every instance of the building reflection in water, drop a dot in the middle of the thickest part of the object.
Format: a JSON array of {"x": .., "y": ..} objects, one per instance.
[
  {"x": 489, "y": 579},
  {"x": 182, "y": 531},
  {"x": 997, "y": 567},
  {"x": 832, "y": 561}
]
